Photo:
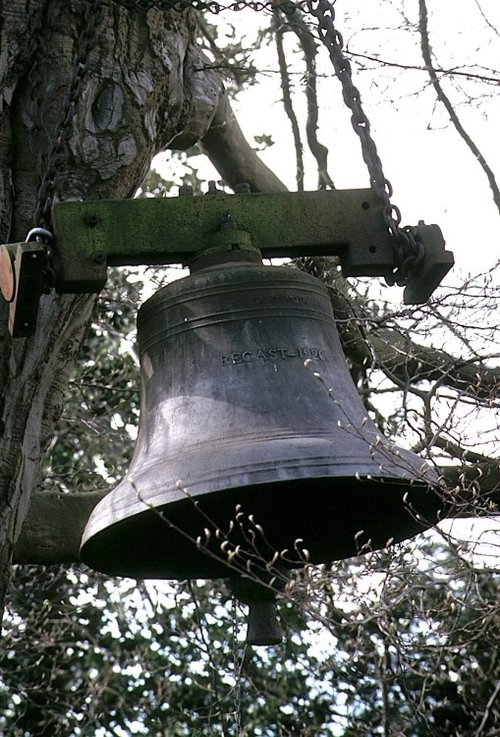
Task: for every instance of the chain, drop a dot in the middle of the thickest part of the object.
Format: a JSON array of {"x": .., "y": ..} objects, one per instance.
[
  {"x": 408, "y": 250},
  {"x": 213, "y": 6},
  {"x": 54, "y": 158},
  {"x": 36, "y": 44}
]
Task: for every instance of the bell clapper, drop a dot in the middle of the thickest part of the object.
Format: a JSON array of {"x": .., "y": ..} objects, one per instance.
[{"x": 263, "y": 626}]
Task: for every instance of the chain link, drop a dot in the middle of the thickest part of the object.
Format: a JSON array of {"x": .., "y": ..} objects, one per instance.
[
  {"x": 408, "y": 250},
  {"x": 213, "y": 6},
  {"x": 36, "y": 43},
  {"x": 55, "y": 156}
]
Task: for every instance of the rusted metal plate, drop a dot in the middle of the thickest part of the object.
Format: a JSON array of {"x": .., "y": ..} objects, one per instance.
[{"x": 29, "y": 264}]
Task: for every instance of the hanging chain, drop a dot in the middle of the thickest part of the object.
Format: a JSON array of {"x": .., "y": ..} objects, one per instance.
[
  {"x": 36, "y": 43},
  {"x": 408, "y": 250},
  {"x": 55, "y": 156},
  {"x": 213, "y": 6}
]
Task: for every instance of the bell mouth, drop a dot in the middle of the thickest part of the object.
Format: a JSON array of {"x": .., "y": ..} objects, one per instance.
[{"x": 314, "y": 520}]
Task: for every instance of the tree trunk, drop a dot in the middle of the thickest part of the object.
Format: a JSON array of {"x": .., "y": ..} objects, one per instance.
[{"x": 144, "y": 90}]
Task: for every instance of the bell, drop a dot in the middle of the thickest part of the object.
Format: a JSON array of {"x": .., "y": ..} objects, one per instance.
[{"x": 254, "y": 450}]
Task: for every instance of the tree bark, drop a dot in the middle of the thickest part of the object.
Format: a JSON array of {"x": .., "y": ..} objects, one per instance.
[{"x": 144, "y": 89}]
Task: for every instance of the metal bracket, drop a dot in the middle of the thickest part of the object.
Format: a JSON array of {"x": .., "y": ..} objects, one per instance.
[
  {"x": 436, "y": 263},
  {"x": 90, "y": 236}
]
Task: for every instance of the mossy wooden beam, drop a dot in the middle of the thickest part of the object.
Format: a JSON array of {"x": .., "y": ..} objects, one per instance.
[{"x": 89, "y": 236}]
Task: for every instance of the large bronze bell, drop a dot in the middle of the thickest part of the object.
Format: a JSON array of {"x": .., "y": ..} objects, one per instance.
[{"x": 252, "y": 434}]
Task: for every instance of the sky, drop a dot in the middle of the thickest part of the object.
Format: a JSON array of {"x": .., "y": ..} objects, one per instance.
[{"x": 435, "y": 177}]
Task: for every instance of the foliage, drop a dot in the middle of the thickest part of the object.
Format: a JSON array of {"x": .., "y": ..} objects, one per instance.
[
  {"x": 104, "y": 397},
  {"x": 387, "y": 646}
]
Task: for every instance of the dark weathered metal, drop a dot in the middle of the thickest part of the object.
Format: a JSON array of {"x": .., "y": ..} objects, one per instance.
[
  {"x": 434, "y": 266},
  {"x": 254, "y": 448},
  {"x": 263, "y": 626}
]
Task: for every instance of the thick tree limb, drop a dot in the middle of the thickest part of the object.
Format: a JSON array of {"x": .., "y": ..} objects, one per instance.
[
  {"x": 412, "y": 363},
  {"x": 233, "y": 157},
  {"x": 396, "y": 353},
  {"x": 279, "y": 29},
  {"x": 53, "y": 529}
]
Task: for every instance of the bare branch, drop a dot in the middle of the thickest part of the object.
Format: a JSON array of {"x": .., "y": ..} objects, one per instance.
[
  {"x": 287, "y": 100},
  {"x": 444, "y": 99},
  {"x": 488, "y": 22},
  {"x": 409, "y": 361},
  {"x": 438, "y": 70},
  {"x": 318, "y": 150},
  {"x": 233, "y": 157}
]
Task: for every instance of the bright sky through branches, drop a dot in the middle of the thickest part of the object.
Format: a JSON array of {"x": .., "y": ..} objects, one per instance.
[{"x": 435, "y": 177}]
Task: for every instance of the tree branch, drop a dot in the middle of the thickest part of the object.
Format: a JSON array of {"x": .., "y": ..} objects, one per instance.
[
  {"x": 417, "y": 68},
  {"x": 233, "y": 157},
  {"x": 444, "y": 99},
  {"x": 318, "y": 150},
  {"x": 412, "y": 362},
  {"x": 53, "y": 528},
  {"x": 287, "y": 100}
]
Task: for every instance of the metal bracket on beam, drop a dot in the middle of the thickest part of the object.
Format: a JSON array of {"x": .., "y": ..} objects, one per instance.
[
  {"x": 90, "y": 236},
  {"x": 429, "y": 274}
]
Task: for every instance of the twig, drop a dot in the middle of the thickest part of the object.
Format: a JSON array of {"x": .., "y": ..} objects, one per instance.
[
  {"x": 287, "y": 100},
  {"x": 417, "y": 68},
  {"x": 444, "y": 99},
  {"x": 486, "y": 714},
  {"x": 318, "y": 150},
  {"x": 488, "y": 23}
]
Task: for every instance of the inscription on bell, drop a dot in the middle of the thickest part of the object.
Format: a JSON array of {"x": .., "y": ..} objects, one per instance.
[{"x": 272, "y": 354}]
